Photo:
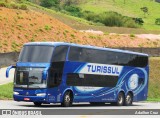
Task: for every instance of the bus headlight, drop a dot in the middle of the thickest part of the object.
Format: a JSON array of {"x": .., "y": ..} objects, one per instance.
[
  {"x": 15, "y": 93},
  {"x": 41, "y": 94}
]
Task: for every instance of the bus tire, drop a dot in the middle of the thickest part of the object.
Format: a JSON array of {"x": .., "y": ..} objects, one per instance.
[
  {"x": 67, "y": 99},
  {"x": 120, "y": 99},
  {"x": 37, "y": 104},
  {"x": 128, "y": 99}
]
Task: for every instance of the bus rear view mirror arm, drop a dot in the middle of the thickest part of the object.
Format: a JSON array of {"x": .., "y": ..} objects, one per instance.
[
  {"x": 45, "y": 73},
  {"x": 8, "y": 69}
]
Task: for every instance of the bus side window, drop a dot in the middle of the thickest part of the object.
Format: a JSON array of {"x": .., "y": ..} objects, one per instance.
[
  {"x": 75, "y": 54},
  {"x": 54, "y": 78},
  {"x": 57, "y": 78},
  {"x": 60, "y": 53}
]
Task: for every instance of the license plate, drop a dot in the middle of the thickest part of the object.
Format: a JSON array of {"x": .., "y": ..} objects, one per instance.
[{"x": 26, "y": 99}]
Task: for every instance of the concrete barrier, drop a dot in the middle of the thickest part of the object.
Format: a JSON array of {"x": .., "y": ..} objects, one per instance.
[
  {"x": 153, "y": 52},
  {"x": 7, "y": 59}
]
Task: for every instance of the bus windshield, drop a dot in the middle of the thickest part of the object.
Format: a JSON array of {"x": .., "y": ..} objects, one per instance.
[
  {"x": 36, "y": 54},
  {"x": 29, "y": 78}
]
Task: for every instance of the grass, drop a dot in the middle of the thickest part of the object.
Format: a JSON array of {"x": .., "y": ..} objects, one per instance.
[
  {"x": 15, "y": 46},
  {"x": 47, "y": 27},
  {"x": 132, "y": 35},
  {"x": 6, "y": 91},
  {"x": 130, "y": 8},
  {"x": 153, "y": 99},
  {"x": 71, "y": 20},
  {"x": 81, "y": 24},
  {"x": 154, "y": 82},
  {"x": 13, "y": 5},
  {"x": 154, "y": 79}
]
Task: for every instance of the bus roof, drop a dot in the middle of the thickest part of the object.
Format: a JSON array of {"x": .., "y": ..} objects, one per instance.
[{"x": 84, "y": 46}]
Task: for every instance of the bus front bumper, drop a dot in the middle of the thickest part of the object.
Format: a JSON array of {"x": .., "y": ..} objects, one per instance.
[{"x": 42, "y": 99}]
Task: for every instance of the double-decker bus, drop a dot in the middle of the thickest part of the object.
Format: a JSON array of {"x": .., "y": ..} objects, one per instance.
[{"x": 57, "y": 72}]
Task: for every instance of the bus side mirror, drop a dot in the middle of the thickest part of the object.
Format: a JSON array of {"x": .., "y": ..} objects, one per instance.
[
  {"x": 8, "y": 69},
  {"x": 45, "y": 73}
]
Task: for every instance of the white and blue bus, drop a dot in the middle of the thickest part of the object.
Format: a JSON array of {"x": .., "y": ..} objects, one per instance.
[{"x": 57, "y": 72}]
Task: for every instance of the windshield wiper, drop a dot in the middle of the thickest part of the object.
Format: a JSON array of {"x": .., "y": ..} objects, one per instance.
[{"x": 33, "y": 77}]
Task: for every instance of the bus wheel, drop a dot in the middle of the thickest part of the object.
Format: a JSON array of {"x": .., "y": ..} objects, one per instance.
[
  {"x": 120, "y": 100},
  {"x": 128, "y": 99},
  {"x": 67, "y": 99},
  {"x": 37, "y": 104}
]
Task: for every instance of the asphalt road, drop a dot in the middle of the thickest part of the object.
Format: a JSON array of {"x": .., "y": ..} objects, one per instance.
[
  {"x": 3, "y": 79},
  {"x": 80, "y": 110},
  {"x": 9, "y": 104}
]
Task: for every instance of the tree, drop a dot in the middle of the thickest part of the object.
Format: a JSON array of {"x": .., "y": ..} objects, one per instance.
[
  {"x": 139, "y": 21},
  {"x": 49, "y": 3},
  {"x": 157, "y": 22},
  {"x": 69, "y": 2},
  {"x": 145, "y": 10}
]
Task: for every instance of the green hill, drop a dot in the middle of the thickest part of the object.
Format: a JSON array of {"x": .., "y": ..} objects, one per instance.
[
  {"x": 22, "y": 21},
  {"x": 129, "y": 8}
]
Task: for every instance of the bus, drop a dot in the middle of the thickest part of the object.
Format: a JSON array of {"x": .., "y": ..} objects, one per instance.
[{"x": 59, "y": 72}]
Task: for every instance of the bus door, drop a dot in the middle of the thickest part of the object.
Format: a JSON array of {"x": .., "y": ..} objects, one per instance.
[{"x": 54, "y": 81}]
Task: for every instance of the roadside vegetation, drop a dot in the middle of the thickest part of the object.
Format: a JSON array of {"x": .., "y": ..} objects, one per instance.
[
  {"x": 148, "y": 10},
  {"x": 110, "y": 18},
  {"x": 6, "y": 91},
  {"x": 139, "y": 14},
  {"x": 154, "y": 80},
  {"x": 31, "y": 25},
  {"x": 13, "y": 4},
  {"x": 74, "y": 14}
]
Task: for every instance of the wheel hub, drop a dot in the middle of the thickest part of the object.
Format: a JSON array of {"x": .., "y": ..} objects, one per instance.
[
  {"x": 128, "y": 99},
  {"x": 120, "y": 100},
  {"x": 67, "y": 99}
]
